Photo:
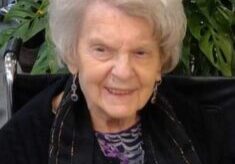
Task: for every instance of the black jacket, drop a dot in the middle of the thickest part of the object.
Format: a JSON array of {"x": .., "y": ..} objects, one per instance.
[{"x": 25, "y": 139}]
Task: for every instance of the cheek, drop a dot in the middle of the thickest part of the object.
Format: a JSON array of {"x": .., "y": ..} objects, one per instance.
[
  {"x": 92, "y": 76},
  {"x": 90, "y": 87},
  {"x": 89, "y": 81},
  {"x": 148, "y": 76}
]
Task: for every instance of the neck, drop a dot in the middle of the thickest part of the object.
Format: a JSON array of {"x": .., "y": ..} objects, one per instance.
[{"x": 113, "y": 125}]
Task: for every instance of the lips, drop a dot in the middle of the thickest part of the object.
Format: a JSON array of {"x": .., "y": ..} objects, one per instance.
[{"x": 119, "y": 92}]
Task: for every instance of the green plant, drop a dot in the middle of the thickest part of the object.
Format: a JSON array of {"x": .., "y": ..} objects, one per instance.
[
  {"x": 209, "y": 42},
  {"x": 208, "y": 46},
  {"x": 30, "y": 18}
]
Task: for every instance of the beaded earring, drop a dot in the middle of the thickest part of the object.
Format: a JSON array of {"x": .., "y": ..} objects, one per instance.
[{"x": 74, "y": 96}]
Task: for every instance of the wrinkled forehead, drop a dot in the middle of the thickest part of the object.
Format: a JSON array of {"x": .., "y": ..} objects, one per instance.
[{"x": 131, "y": 8}]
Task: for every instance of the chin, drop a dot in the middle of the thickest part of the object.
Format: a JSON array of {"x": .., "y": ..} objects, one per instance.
[{"x": 121, "y": 113}]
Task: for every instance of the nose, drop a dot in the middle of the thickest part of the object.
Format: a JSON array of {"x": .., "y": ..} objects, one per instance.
[{"x": 122, "y": 67}]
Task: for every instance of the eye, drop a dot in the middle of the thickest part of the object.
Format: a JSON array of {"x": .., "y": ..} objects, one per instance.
[
  {"x": 141, "y": 53},
  {"x": 99, "y": 49},
  {"x": 101, "y": 52}
]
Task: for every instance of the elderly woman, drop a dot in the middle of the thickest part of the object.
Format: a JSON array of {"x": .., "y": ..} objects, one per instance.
[{"x": 109, "y": 110}]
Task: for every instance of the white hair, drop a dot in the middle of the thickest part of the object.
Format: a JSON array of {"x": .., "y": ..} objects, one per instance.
[{"x": 168, "y": 17}]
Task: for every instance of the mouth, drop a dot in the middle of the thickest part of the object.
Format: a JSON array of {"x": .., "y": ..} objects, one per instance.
[{"x": 119, "y": 92}]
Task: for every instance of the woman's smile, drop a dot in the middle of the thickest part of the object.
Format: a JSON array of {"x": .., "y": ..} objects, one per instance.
[
  {"x": 122, "y": 96},
  {"x": 119, "y": 91}
]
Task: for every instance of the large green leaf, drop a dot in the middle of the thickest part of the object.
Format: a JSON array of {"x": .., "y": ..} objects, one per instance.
[
  {"x": 6, "y": 35},
  {"x": 195, "y": 25},
  {"x": 210, "y": 23},
  {"x": 29, "y": 3},
  {"x": 218, "y": 50},
  {"x": 23, "y": 10},
  {"x": 206, "y": 6},
  {"x": 19, "y": 14},
  {"x": 31, "y": 18},
  {"x": 30, "y": 28},
  {"x": 46, "y": 62}
]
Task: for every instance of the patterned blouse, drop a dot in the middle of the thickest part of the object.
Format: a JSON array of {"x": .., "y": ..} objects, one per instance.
[{"x": 125, "y": 145}]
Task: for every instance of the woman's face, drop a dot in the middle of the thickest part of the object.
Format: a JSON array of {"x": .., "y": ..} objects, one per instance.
[{"x": 118, "y": 62}]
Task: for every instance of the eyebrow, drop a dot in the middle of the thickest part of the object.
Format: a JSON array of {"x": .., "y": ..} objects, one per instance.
[{"x": 96, "y": 40}]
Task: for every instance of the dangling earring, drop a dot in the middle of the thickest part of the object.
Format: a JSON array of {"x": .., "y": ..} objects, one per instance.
[
  {"x": 154, "y": 97},
  {"x": 74, "y": 96}
]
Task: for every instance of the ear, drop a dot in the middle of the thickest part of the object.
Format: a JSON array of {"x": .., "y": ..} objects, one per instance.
[
  {"x": 158, "y": 76},
  {"x": 162, "y": 61},
  {"x": 72, "y": 67}
]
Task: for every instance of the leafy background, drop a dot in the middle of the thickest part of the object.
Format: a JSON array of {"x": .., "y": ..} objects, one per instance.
[
  {"x": 208, "y": 49},
  {"x": 209, "y": 43}
]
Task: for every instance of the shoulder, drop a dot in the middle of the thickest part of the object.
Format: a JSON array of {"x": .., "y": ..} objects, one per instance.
[
  {"x": 163, "y": 125},
  {"x": 26, "y": 136}
]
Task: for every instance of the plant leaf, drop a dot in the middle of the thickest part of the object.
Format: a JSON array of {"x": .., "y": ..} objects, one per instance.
[
  {"x": 5, "y": 35},
  {"x": 219, "y": 51},
  {"x": 195, "y": 25},
  {"x": 46, "y": 62}
]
